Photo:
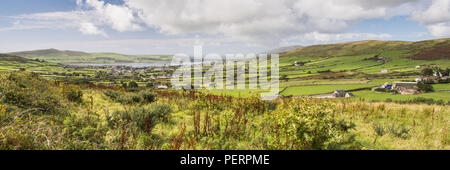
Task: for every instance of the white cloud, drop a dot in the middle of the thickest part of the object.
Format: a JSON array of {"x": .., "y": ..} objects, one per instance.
[
  {"x": 88, "y": 20},
  {"x": 317, "y": 37},
  {"x": 440, "y": 29},
  {"x": 120, "y": 18},
  {"x": 258, "y": 20},
  {"x": 250, "y": 21},
  {"x": 436, "y": 17},
  {"x": 90, "y": 29}
]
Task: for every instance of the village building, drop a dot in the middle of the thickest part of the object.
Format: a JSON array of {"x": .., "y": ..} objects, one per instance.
[
  {"x": 339, "y": 93},
  {"x": 162, "y": 87},
  {"x": 348, "y": 95},
  {"x": 387, "y": 86},
  {"x": 298, "y": 64},
  {"x": 406, "y": 87},
  {"x": 384, "y": 71}
]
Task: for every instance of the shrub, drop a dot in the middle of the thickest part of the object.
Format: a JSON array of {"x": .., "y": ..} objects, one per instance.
[
  {"x": 133, "y": 86},
  {"x": 73, "y": 94},
  {"x": 147, "y": 97},
  {"x": 427, "y": 72},
  {"x": 425, "y": 88},
  {"x": 131, "y": 98},
  {"x": 162, "y": 111},
  {"x": 399, "y": 131},
  {"x": 28, "y": 90},
  {"x": 379, "y": 129},
  {"x": 111, "y": 94},
  {"x": 142, "y": 97},
  {"x": 419, "y": 100},
  {"x": 140, "y": 117},
  {"x": 345, "y": 125},
  {"x": 303, "y": 124}
]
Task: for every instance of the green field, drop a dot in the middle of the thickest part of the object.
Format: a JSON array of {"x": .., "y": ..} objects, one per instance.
[
  {"x": 377, "y": 96},
  {"x": 319, "y": 89}
]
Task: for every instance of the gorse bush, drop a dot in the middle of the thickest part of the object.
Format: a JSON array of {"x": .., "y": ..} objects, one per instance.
[
  {"x": 133, "y": 86},
  {"x": 142, "y": 118},
  {"x": 147, "y": 97},
  {"x": 303, "y": 124},
  {"x": 111, "y": 94},
  {"x": 73, "y": 94},
  {"x": 28, "y": 91},
  {"x": 162, "y": 111},
  {"x": 143, "y": 97}
]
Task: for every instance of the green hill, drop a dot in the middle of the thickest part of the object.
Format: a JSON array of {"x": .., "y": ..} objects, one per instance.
[
  {"x": 12, "y": 58},
  {"x": 67, "y": 57},
  {"x": 363, "y": 59},
  {"x": 424, "y": 50}
]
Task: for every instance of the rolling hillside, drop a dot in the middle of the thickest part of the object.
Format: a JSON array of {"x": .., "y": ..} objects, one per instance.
[
  {"x": 424, "y": 50},
  {"x": 11, "y": 62},
  {"x": 68, "y": 57},
  {"x": 364, "y": 58}
]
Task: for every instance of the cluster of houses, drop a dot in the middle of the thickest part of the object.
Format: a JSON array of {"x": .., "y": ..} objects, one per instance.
[
  {"x": 342, "y": 93},
  {"x": 407, "y": 88},
  {"x": 335, "y": 94}
]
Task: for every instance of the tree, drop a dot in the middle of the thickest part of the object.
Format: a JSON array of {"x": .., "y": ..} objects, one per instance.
[
  {"x": 150, "y": 85},
  {"x": 133, "y": 85},
  {"x": 445, "y": 72},
  {"x": 423, "y": 87},
  {"x": 427, "y": 72}
]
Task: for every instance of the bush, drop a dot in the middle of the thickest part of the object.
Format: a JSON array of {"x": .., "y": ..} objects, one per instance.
[
  {"x": 73, "y": 94},
  {"x": 419, "y": 100},
  {"x": 133, "y": 86},
  {"x": 425, "y": 88},
  {"x": 147, "y": 97},
  {"x": 345, "y": 125},
  {"x": 379, "y": 129},
  {"x": 399, "y": 131},
  {"x": 162, "y": 111},
  {"x": 140, "y": 117},
  {"x": 29, "y": 91},
  {"x": 131, "y": 98},
  {"x": 111, "y": 94},
  {"x": 142, "y": 97},
  {"x": 303, "y": 124}
]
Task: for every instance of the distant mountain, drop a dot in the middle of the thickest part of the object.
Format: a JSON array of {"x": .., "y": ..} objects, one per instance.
[
  {"x": 283, "y": 49},
  {"x": 49, "y": 52},
  {"x": 70, "y": 57},
  {"x": 6, "y": 57},
  {"x": 421, "y": 50}
]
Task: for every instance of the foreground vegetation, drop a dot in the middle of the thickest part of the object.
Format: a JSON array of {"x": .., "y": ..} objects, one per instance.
[{"x": 39, "y": 114}]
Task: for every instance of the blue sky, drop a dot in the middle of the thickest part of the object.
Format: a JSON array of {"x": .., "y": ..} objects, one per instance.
[{"x": 222, "y": 26}]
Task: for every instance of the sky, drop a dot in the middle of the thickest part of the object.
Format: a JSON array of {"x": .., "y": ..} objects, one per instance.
[{"x": 221, "y": 26}]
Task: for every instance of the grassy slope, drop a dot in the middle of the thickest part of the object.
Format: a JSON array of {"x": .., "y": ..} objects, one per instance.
[
  {"x": 351, "y": 63},
  {"x": 58, "y": 56},
  {"x": 359, "y": 57},
  {"x": 11, "y": 63}
]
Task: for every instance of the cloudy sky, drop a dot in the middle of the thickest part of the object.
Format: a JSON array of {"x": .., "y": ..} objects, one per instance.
[{"x": 221, "y": 26}]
